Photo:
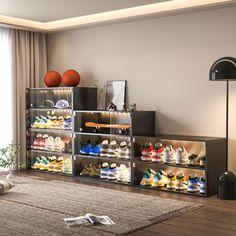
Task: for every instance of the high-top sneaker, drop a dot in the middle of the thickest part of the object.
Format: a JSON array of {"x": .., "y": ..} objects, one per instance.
[
  {"x": 113, "y": 172},
  {"x": 123, "y": 173},
  {"x": 181, "y": 156},
  {"x": 159, "y": 179},
  {"x": 122, "y": 150},
  {"x": 203, "y": 185},
  {"x": 157, "y": 152},
  {"x": 169, "y": 154},
  {"x": 192, "y": 160},
  {"x": 146, "y": 152},
  {"x": 37, "y": 140},
  {"x": 193, "y": 183},
  {"x": 180, "y": 182},
  {"x": 104, "y": 170},
  {"x": 42, "y": 142},
  {"x": 113, "y": 150},
  {"x": 104, "y": 148},
  {"x": 148, "y": 177},
  {"x": 170, "y": 182}
]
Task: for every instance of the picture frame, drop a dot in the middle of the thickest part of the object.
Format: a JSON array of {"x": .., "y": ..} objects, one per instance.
[{"x": 116, "y": 95}]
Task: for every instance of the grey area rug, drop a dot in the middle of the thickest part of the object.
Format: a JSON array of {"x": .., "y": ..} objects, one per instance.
[{"x": 37, "y": 207}]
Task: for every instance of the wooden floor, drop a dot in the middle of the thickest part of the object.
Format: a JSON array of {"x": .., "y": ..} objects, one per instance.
[{"x": 216, "y": 217}]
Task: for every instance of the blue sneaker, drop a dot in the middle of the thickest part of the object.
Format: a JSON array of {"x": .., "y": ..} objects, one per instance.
[
  {"x": 193, "y": 183},
  {"x": 113, "y": 172},
  {"x": 95, "y": 151},
  {"x": 86, "y": 148},
  {"x": 104, "y": 170}
]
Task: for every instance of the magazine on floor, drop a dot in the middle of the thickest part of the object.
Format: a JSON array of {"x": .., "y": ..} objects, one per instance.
[{"x": 88, "y": 219}]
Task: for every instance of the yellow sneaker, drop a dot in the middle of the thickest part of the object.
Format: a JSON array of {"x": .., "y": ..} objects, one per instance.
[
  {"x": 52, "y": 162},
  {"x": 58, "y": 165},
  {"x": 148, "y": 177}
]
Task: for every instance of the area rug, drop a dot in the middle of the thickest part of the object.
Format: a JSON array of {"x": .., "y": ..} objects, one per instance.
[{"x": 37, "y": 207}]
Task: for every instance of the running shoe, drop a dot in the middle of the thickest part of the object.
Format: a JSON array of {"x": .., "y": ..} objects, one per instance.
[
  {"x": 146, "y": 152},
  {"x": 181, "y": 156},
  {"x": 86, "y": 148},
  {"x": 180, "y": 182},
  {"x": 157, "y": 152},
  {"x": 148, "y": 177},
  {"x": 104, "y": 170},
  {"x": 159, "y": 179},
  {"x": 112, "y": 172},
  {"x": 37, "y": 140},
  {"x": 193, "y": 183},
  {"x": 104, "y": 148},
  {"x": 169, "y": 154},
  {"x": 42, "y": 142},
  {"x": 52, "y": 162},
  {"x": 123, "y": 173},
  {"x": 192, "y": 160},
  {"x": 67, "y": 124},
  {"x": 122, "y": 150},
  {"x": 95, "y": 151},
  {"x": 113, "y": 150},
  {"x": 58, "y": 165},
  {"x": 37, "y": 163},
  {"x": 49, "y": 143},
  {"x": 170, "y": 182},
  {"x": 44, "y": 163}
]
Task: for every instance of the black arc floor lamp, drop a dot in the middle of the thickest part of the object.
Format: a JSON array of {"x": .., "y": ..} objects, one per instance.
[{"x": 224, "y": 69}]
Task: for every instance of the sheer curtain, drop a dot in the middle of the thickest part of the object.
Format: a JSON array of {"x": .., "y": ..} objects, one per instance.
[{"x": 5, "y": 88}]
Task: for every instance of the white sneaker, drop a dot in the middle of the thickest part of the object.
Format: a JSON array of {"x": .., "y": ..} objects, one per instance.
[
  {"x": 104, "y": 148},
  {"x": 123, "y": 173},
  {"x": 112, "y": 172},
  {"x": 113, "y": 150},
  {"x": 122, "y": 150},
  {"x": 49, "y": 143},
  {"x": 169, "y": 154},
  {"x": 58, "y": 144},
  {"x": 181, "y": 156}
]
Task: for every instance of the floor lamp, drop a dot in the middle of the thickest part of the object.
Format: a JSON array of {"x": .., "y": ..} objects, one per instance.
[{"x": 224, "y": 69}]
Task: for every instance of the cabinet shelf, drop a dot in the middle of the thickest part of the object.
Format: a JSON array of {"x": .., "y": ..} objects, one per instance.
[
  {"x": 102, "y": 134},
  {"x": 51, "y": 173},
  {"x": 102, "y": 158},
  {"x": 49, "y": 152},
  {"x": 196, "y": 167},
  {"x": 63, "y": 131}
]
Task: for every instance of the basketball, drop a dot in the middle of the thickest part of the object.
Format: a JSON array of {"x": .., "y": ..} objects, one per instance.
[
  {"x": 71, "y": 78},
  {"x": 52, "y": 79}
]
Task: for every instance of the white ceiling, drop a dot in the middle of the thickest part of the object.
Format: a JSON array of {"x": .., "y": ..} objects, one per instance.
[{"x": 50, "y": 10}]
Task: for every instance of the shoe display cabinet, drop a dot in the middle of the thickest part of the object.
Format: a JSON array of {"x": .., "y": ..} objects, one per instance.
[
  {"x": 49, "y": 113},
  {"x": 212, "y": 149}
]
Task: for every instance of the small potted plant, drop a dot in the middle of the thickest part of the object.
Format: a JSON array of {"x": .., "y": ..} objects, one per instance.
[{"x": 8, "y": 159}]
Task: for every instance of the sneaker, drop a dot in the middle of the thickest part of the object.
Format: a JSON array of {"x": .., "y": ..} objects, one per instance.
[
  {"x": 58, "y": 144},
  {"x": 95, "y": 172},
  {"x": 170, "y": 182},
  {"x": 44, "y": 163},
  {"x": 180, "y": 182},
  {"x": 203, "y": 185},
  {"x": 169, "y": 154},
  {"x": 146, "y": 152},
  {"x": 95, "y": 151},
  {"x": 58, "y": 165},
  {"x": 36, "y": 123},
  {"x": 148, "y": 177},
  {"x": 157, "y": 152},
  {"x": 128, "y": 151},
  {"x": 52, "y": 162},
  {"x": 104, "y": 170},
  {"x": 159, "y": 179},
  {"x": 49, "y": 143},
  {"x": 181, "y": 156},
  {"x": 43, "y": 123},
  {"x": 104, "y": 148},
  {"x": 129, "y": 175},
  {"x": 113, "y": 150},
  {"x": 87, "y": 170},
  {"x": 193, "y": 183},
  {"x": 37, "y": 163},
  {"x": 42, "y": 142},
  {"x": 113, "y": 172},
  {"x": 67, "y": 124},
  {"x": 37, "y": 140},
  {"x": 86, "y": 148},
  {"x": 203, "y": 161},
  {"x": 122, "y": 150},
  {"x": 123, "y": 173},
  {"x": 67, "y": 166},
  {"x": 192, "y": 160}
]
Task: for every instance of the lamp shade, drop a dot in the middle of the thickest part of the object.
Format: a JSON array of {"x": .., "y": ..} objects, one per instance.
[{"x": 223, "y": 69}]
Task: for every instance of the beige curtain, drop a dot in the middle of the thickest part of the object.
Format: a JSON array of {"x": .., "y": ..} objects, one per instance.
[{"x": 29, "y": 64}]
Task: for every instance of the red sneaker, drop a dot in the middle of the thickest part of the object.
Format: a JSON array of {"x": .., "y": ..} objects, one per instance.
[
  {"x": 42, "y": 142},
  {"x": 146, "y": 151},
  {"x": 157, "y": 152},
  {"x": 37, "y": 140}
]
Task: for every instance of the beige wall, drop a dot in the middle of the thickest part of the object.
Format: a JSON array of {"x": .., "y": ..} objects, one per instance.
[{"x": 165, "y": 61}]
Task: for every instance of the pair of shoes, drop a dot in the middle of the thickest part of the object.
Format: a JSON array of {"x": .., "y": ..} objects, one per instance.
[
  {"x": 193, "y": 183},
  {"x": 91, "y": 170},
  {"x": 39, "y": 141},
  {"x": 90, "y": 149},
  {"x": 54, "y": 144},
  {"x": 113, "y": 150},
  {"x": 40, "y": 122},
  {"x": 41, "y": 163},
  {"x": 67, "y": 166},
  {"x": 154, "y": 179},
  {"x": 150, "y": 152}
]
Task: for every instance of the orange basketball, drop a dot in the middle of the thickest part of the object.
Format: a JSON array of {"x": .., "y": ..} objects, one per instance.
[
  {"x": 71, "y": 78},
  {"x": 52, "y": 79}
]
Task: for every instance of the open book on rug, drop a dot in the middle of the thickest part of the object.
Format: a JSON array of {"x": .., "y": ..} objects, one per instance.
[{"x": 88, "y": 219}]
